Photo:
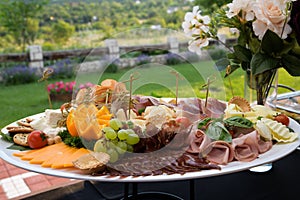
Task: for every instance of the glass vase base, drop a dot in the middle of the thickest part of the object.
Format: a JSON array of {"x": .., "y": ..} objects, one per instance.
[{"x": 262, "y": 168}]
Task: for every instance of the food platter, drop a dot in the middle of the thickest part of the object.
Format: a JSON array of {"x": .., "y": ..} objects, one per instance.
[{"x": 278, "y": 151}]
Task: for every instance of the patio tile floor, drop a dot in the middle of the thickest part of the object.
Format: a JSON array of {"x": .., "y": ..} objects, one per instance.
[{"x": 16, "y": 182}]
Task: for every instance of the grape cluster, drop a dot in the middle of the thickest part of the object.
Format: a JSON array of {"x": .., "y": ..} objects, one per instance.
[{"x": 116, "y": 140}]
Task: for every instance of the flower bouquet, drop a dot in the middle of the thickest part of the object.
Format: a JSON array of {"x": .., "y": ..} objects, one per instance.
[{"x": 268, "y": 38}]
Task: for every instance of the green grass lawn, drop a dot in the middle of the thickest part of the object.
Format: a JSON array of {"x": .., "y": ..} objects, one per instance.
[{"x": 23, "y": 100}]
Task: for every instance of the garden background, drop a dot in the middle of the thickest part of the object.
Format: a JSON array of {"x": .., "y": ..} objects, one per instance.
[{"x": 69, "y": 24}]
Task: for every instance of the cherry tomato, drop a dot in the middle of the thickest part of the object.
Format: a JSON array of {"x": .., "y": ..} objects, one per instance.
[
  {"x": 282, "y": 118},
  {"x": 37, "y": 139}
]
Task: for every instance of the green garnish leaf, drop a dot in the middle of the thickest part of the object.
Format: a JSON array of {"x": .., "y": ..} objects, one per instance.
[
  {"x": 70, "y": 140},
  {"x": 6, "y": 137},
  {"x": 238, "y": 122},
  {"x": 204, "y": 122},
  {"x": 18, "y": 147},
  {"x": 217, "y": 131}
]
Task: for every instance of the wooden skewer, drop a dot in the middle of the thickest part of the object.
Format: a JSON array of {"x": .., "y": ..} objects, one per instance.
[
  {"x": 228, "y": 70},
  {"x": 177, "y": 80},
  {"x": 131, "y": 79}
]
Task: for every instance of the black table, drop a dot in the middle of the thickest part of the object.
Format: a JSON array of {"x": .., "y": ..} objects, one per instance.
[{"x": 281, "y": 182}]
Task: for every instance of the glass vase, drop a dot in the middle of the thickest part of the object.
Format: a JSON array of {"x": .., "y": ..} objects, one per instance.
[{"x": 258, "y": 87}]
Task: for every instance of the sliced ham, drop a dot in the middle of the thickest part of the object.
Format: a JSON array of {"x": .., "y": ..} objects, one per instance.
[
  {"x": 214, "y": 108},
  {"x": 245, "y": 147},
  {"x": 194, "y": 108},
  {"x": 221, "y": 152},
  {"x": 217, "y": 152},
  {"x": 199, "y": 140},
  {"x": 190, "y": 108},
  {"x": 264, "y": 146}
]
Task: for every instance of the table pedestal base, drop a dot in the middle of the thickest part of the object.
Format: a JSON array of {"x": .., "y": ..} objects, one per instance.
[{"x": 154, "y": 195}]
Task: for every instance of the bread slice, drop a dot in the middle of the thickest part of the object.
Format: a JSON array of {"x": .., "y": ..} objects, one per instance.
[{"x": 21, "y": 139}]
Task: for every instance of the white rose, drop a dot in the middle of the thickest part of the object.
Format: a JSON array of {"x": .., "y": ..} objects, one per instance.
[{"x": 270, "y": 14}]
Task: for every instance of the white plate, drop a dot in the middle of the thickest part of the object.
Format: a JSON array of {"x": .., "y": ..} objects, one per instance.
[{"x": 278, "y": 151}]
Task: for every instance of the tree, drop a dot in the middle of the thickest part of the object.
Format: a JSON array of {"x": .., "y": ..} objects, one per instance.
[
  {"x": 210, "y": 6},
  {"x": 18, "y": 16},
  {"x": 62, "y": 31}
]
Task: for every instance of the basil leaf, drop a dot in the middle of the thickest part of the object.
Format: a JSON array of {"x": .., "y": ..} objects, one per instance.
[
  {"x": 217, "y": 131},
  {"x": 18, "y": 147},
  {"x": 6, "y": 137},
  {"x": 204, "y": 122},
  {"x": 238, "y": 122}
]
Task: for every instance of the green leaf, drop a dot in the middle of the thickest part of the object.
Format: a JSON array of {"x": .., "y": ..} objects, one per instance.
[
  {"x": 217, "y": 131},
  {"x": 70, "y": 140},
  {"x": 204, "y": 122},
  {"x": 262, "y": 62},
  {"x": 271, "y": 43},
  {"x": 291, "y": 64},
  {"x": 288, "y": 46},
  {"x": 18, "y": 147},
  {"x": 245, "y": 66},
  {"x": 222, "y": 64},
  {"x": 238, "y": 122},
  {"x": 6, "y": 137},
  {"x": 231, "y": 56},
  {"x": 242, "y": 53}
]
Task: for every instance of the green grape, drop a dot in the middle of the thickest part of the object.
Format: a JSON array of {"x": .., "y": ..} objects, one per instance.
[
  {"x": 114, "y": 156},
  {"x": 122, "y": 134},
  {"x": 130, "y": 131},
  {"x": 100, "y": 146},
  {"x": 129, "y": 148},
  {"x": 132, "y": 139},
  {"x": 110, "y": 133},
  {"x": 111, "y": 144},
  {"x": 121, "y": 147},
  {"x": 116, "y": 124}
]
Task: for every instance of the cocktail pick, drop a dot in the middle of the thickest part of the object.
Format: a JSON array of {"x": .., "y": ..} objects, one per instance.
[
  {"x": 228, "y": 71},
  {"x": 131, "y": 79},
  {"x": 207, "y": 85},
  {"x": 46, "y": 74},
  {"x": 177, "y": 80}
]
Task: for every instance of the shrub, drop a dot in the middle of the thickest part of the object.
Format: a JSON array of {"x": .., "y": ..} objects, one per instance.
[
  {"x": 217, "y": 53},
  {"x": 113, "y": 67},
  {"x": 173, "y": 59},
  {"x": 19, "y": 75},
  {"x": 62, "y": 69},
  {"x": 143, "y": 59}
]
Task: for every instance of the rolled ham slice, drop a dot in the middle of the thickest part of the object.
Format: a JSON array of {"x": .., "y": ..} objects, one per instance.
[
  {"x": 221, "y": 152},
  {"x": 199, "y": 140},
  {"x": 217, "y": 152},
  {"x": 248, "y": 147}
]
